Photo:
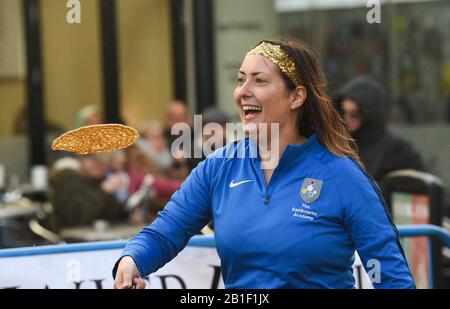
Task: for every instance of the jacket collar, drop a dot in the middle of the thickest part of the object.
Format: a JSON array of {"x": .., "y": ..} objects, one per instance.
[{"x": 291, "y": 154}]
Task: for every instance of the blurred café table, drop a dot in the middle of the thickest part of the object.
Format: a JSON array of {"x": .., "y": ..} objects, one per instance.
[
  {"x": 18, "y": 210},
  {"x": 99, "y": 231},
  {"x": 34, "y": 194},
  {"x": 14, "y": 220}
]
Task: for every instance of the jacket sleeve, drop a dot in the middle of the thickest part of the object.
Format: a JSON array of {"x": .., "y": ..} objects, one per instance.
[
  {"x": 188, "y": 211},
  {"x": 372, "y": 231}
]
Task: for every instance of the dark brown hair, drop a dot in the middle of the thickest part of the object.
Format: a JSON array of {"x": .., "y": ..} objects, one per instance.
[{"x": 317, "y": 113}]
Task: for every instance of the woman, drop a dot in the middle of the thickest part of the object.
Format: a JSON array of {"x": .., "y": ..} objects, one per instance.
[{"x": 294, "y": 226}]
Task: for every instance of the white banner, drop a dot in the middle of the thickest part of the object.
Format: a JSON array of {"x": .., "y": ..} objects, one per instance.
[{"x": 193, "y": 268}]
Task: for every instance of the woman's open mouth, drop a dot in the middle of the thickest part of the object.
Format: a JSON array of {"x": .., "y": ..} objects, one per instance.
[{"x": 251, "y": 111}]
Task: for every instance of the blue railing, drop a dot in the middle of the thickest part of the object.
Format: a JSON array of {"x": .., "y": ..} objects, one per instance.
[
  {"x": 196, "y": 241},
  {"x": 427, "y": 230},
  {"x": 406, "y": 231},
  {"x": 431, "y": 232}
]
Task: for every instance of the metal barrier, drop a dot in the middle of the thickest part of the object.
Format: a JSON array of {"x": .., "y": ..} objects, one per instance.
[
  {"x": 415, "y": 197},
  {"x": 406, "y": 231},
  {"x": 196, "y": 241},
  {"x": 430, "y": 231}
]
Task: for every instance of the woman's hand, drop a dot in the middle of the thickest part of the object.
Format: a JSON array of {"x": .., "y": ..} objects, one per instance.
[{"x": 127, "y": 275}]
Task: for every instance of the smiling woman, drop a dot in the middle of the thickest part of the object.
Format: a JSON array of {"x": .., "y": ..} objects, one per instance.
[
  {"x": 269, "y": 74},
  {"x": 318, "y": 192}
]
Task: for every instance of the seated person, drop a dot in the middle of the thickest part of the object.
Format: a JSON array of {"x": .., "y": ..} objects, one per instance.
[
  {"x": 80, "y": 194},
  {"x": 117, "y": 175},
  {"x": 150, "y": 154}
]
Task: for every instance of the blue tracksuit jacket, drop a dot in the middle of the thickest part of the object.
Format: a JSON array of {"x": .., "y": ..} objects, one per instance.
[{"x": 299, "y": 231}]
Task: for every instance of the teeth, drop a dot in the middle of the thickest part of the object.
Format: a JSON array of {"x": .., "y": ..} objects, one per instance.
[{"x": 251, "y": 108}]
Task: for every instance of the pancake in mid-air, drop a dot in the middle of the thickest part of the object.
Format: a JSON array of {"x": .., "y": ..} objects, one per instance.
[{"x": 96, "y": 138}]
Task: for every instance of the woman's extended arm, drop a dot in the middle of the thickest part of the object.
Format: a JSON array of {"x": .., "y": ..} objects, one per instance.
[{"x": 188, "y": 211}]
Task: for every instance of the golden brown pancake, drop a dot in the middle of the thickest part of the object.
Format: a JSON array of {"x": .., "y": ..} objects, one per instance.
[{"x": 96, "y": 138}]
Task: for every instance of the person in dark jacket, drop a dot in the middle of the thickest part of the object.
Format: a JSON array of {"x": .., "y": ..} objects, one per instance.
[
  {"x": 362, "y": 104},
  {"x": 82, "y": 195}
]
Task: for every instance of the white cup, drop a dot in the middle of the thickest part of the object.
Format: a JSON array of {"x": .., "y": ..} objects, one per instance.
[{"x": 39, "y": 176}]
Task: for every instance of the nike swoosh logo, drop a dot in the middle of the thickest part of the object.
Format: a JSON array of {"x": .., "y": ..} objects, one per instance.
[{"x": 235, "y": 184}]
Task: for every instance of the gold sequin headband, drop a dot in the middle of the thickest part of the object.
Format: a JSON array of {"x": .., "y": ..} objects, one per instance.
[{"x": 280, "y": 58}]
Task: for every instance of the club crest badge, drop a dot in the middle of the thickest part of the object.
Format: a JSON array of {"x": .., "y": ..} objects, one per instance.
[{"x": 310, "y": 190}]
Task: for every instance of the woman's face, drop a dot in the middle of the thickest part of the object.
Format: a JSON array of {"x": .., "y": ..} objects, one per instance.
[
  {"x": 261, "y": 94},
  {"x": 351, "y": 115}
]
